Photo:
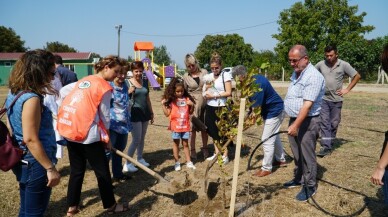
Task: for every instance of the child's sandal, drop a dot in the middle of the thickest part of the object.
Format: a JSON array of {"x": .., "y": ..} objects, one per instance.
[{"x": 118, "y": 208}]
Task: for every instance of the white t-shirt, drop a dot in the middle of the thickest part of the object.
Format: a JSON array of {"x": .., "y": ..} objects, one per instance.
[{"x": 219, "y": 87}]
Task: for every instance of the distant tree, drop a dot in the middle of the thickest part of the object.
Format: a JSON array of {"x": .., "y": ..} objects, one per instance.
[
  {"x": 10, "y": 41},
  {"x": 232, "y": 48},
  {"x": 269, "y": 59},
  {"x": 58, "y": 47},
  {"x": 318, "y": 23},
  {"x": 95, "y": 55},
  {"x": 364, "y": 55},
  {"x": 130, "y": 58},
  {"x": 161, "y": 56}
]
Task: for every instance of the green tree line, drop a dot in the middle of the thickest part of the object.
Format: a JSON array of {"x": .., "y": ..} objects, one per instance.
[{"x": 313, "y": 23}]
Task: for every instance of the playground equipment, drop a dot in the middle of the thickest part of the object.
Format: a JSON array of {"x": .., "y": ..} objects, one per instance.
[
  {"x": 167, "y": 72},
  {"x": 148, "y": 63}
]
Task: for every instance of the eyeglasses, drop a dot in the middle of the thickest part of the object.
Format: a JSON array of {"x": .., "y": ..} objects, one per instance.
[
  {"x": 296, "y": 60},
  {"x": 215, "y": 68}
]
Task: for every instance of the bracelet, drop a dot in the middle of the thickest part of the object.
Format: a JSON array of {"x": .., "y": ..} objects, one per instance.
[{"x": 50, "y": 169}]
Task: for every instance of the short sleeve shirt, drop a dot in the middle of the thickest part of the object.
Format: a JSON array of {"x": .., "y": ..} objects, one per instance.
[
  {"x": 219, "y": 86},
  {"x": 308, "y": 86},
  {"x": 334, "y": 77}
]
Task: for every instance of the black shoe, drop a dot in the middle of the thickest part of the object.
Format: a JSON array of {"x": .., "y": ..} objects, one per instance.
[
  {"x": 323, "y": 152},
  {"x": 123, "y": 178},
  {"x": 305, "y": 193},
  {"x": 291, "y": 184}
]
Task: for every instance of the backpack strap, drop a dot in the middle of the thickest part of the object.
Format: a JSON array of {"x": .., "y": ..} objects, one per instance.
[{"x": 4, "y": 109}]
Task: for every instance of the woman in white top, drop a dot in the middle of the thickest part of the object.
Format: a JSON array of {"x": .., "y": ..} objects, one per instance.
[{"x": 216, "y": 100}]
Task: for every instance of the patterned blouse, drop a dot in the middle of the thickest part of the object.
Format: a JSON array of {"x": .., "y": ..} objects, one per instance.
[{"x": 120, "y": 116}]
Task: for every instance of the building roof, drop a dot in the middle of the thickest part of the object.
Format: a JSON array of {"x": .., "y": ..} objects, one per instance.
[{"x": 65, "y": 56}]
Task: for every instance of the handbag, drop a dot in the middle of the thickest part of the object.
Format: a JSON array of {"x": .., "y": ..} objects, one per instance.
[{"x": 10, "y": 152}]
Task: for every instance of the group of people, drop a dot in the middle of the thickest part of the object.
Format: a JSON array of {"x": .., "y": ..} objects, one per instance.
[{"x": 98, "y": 111}]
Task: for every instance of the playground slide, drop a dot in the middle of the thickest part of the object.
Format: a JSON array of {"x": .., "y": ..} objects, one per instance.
[{"x": 152, "y": 80}]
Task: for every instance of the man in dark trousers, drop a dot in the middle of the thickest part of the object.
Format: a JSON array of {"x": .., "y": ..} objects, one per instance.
[
  {"x": 303, "y": 104},
  {"x": 334, "y": 71},
  {"x": 67, "y": 76}
]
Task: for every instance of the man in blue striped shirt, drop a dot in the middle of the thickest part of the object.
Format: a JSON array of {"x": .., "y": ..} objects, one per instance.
[{"x": 303, "y": 105}]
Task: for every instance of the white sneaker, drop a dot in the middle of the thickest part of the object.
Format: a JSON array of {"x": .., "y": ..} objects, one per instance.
[
  {"x": 190, "y": 165},
  {"x": 211, "y": 157},
  {"x": 129, "y": 167},
  {"x": 225, "y": 159},
  {"x": 177, "y": 166},
  {"x": 142, "y": 161}
]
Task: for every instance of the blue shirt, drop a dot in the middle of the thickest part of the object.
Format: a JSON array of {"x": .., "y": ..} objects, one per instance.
[
  {"x": 270, "y": 101},
  {"x": 120, "y": 117},
  {"x": 46, "y": 129},
  {"x": 67, "y": 76},
  {"x": 310, "y": 86}
]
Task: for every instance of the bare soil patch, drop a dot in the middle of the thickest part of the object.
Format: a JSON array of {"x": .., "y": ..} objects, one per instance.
[{"x": 357, "y": 150}]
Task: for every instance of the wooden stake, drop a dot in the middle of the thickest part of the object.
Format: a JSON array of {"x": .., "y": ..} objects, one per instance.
[{"x": 237, "y": 156}]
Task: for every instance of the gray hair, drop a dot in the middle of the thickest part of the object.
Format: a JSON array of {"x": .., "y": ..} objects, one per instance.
[{"x": 239, "y": 70}]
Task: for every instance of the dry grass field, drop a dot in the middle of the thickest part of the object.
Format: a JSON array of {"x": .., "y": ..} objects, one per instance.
[{"x": 357, "y": 150}]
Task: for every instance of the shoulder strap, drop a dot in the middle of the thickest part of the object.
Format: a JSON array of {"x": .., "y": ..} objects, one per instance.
[
  {"x": 223, "y": 82},
  {"x": 4, "y": 109}
]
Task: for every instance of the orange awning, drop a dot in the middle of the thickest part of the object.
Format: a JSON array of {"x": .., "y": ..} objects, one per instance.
[{"x": 143, "y": 46}]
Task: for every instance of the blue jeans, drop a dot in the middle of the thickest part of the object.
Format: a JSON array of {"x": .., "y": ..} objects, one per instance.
[
  {"x": 119, "y": 141},
  {"x": 34, "y": 194}
]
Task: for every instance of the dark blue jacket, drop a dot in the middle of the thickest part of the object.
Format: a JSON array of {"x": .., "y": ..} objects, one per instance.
[
  {"x": 67, "y": 76},
  {"x": 269, "y": 100}
]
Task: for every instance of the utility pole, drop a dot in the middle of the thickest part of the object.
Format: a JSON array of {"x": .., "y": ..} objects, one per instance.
[{"x": 118, "y": 27}]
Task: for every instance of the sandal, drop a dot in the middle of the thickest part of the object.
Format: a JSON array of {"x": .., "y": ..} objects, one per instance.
[
  {"x": 205, "y": 152},
  {"x": 117, "y": 208},
  {"x": 72, "y": 212}
]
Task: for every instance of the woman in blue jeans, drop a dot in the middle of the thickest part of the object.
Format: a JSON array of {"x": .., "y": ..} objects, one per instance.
[
  {"x": 31, "y": 124},
  {"x": 120, "y": 121}
]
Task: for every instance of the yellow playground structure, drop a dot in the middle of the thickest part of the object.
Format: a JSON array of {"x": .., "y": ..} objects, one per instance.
[{"x": 164, "y": 74}]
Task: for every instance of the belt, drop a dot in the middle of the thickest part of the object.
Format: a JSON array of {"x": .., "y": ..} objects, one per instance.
[{"x": 314, "y": 116}]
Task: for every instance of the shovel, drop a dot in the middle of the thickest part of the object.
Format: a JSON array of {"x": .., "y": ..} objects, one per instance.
[{"x": 170, "y": 188}]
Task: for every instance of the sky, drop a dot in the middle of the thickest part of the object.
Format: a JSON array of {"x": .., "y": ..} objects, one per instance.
[{"x": 180, "y": 25}]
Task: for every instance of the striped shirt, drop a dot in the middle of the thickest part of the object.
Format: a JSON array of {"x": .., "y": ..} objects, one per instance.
[{"x": 309, "y": 86}]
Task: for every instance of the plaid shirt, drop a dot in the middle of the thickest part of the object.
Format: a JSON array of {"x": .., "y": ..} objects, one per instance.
[{"x": 309, "y": 86}]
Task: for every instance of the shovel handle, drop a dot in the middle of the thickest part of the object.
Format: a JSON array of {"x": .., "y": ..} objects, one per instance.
[{"x": 141, "y": 166}]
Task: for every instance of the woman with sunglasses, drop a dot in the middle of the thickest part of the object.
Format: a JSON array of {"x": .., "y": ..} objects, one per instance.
[
  {"x": 223, "y": 87},
  {"x": 193, "y": 82}
]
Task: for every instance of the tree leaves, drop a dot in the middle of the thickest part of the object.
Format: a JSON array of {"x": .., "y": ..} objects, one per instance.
[
  {"x": 10, "y": 41},
  {"x": 229, "y": 114}
]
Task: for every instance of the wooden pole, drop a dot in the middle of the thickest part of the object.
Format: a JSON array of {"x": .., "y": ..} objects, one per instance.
[{"x": 237, "y": 156}]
